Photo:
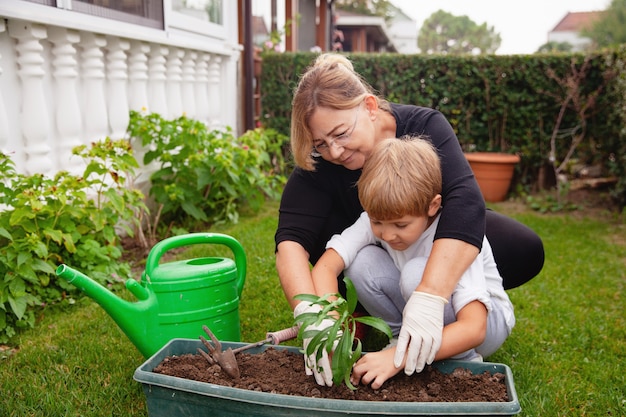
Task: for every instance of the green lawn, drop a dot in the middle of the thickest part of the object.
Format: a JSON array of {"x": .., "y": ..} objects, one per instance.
[{"x": 567, "y": 351}]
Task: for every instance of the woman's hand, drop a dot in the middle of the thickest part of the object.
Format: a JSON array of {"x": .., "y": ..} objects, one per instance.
[{"x": 421, "y": 333}]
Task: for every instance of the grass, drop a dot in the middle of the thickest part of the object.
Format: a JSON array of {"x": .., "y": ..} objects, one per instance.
[{"x": 567, "y": 351}]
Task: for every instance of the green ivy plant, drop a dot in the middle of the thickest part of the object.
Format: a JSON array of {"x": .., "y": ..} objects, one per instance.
[{"x": 340, "y": 310}]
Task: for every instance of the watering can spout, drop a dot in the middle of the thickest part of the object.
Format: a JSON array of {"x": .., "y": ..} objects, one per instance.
[{"x": 137, "y": 320}]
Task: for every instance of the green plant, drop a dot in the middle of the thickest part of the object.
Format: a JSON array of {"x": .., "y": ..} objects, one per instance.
[
  {"x": 582, "y": 104},
  {"x": 46, "y": 221},
  {"x": 206, "y": 174},
  {"x": 274, "y": 40},
  {"x": 341, "y": 335}
]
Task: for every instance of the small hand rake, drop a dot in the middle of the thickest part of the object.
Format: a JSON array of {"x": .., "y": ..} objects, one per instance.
[{"x": 226, "y": 358}]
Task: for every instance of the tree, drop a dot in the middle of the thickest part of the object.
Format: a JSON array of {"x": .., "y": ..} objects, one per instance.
[
  {"x": 444, "y": 33},
  {"x": 555, "y": 47},
  {"x": 366, "y": 7},
  {"x": 610, "y": 29}
]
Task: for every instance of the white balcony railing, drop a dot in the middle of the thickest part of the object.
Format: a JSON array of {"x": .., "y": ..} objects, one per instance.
[{"x": 63, "y": 84}]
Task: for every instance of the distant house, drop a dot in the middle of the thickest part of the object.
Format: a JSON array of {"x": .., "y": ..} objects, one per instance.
[
  {"x": 403, "y": 30},
  {"x": 260, "y": 33},
  {"x": 569, "y": 28},
  {"x": 363, "y": 33}
]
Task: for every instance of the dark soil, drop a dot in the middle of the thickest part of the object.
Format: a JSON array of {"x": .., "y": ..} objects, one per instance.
[{"x": 282, "y": 372}]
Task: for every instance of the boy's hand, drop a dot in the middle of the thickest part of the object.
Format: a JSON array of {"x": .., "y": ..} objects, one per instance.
[{"x": 374, "y": 368}]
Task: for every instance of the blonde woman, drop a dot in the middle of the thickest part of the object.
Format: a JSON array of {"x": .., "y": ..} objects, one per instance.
[{"x": 336, "y": 120}]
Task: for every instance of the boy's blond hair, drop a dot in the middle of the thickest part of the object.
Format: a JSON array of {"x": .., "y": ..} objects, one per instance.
[{"x": 401, "y": 177}]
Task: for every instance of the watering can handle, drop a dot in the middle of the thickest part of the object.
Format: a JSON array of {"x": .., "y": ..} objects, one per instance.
[{"x": 196, "y": 239}]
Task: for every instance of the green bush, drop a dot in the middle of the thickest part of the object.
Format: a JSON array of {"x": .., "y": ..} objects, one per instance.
[
  {"x": 64, "y": 219},
  {"x": 207, "y": 174},
  {"x": 494, "y": 103}
]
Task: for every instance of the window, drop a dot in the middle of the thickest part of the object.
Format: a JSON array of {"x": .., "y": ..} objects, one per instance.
[
  {"x": 141, "y": 12},
  {"x": 200, "y": 16},
  {"x": 204, "y": 17},
  {"x": 207, "y": 10}
]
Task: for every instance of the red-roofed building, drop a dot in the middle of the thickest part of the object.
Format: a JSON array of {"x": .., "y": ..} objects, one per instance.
[{"x": 569, "y": 28}]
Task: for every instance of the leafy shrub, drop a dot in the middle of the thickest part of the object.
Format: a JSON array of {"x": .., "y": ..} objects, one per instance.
[
  {"x": 207, "y": 174},
  {"x": 64, "y": 219}
]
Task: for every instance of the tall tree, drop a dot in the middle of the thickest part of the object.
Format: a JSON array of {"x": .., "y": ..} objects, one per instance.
[
  {"x": 445, "y": 33},
  {"x": 366, "y": 7},
  {"x": 555, "y": 47},
  {"x": 610, "y": 29}
]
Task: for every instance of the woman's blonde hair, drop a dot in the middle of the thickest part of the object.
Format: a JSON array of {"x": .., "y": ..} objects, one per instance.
[
  {"x": 329, "y": 82},
  {"x": 401, "y": 177}
]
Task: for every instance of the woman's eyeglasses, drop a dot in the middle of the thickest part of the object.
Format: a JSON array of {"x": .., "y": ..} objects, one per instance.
[{"x": 339, "y": 141}]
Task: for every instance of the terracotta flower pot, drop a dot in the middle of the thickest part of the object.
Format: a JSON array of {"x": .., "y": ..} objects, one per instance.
[{"x": 494, "y": 172}]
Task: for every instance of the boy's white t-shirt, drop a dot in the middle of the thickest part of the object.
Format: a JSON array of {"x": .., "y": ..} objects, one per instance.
[{"x": 481, "y": 281}]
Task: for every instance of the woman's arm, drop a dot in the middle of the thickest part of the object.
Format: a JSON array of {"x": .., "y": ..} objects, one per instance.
[
  {"x": 461, "y": 227},
  {"x": 447, "y": 261},
  {"x": 292, "y": 265}
]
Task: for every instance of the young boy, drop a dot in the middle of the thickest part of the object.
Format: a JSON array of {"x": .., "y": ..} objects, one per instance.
[{"x": 399, "y": 190}]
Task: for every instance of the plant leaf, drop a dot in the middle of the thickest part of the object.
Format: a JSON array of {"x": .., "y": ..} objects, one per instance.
[
  {"x": 376, "y": 323},
  {"x": 351, "y": 296}
]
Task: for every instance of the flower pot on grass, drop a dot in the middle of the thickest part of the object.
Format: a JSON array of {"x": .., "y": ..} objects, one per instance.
[
  {"x": 167, "y": 395},
  {"x": 494, "y": 172}
]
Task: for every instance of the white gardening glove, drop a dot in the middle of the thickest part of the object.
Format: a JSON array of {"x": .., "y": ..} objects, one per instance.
[
  {"x": 320, "y": 369},
  {"x": 422, "y": 327}
]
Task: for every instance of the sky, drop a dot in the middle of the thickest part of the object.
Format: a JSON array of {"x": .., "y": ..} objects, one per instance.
[{"x": 522, "y": 25}]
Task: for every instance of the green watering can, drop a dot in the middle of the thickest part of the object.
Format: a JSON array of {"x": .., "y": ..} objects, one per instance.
[{"x": 175, "y": 299}]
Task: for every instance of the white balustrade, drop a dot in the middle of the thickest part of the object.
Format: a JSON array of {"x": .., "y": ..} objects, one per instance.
[
  {"x": 34, "y": 115},
  {"x": 4, "y": 121},
  {"x": 157, "y": 69},
  {"x": 67, "y": 110},
  {"x": 189, "y": 84},
  {"x": 95, "y": 114},
  {"x": 202, "y": 87},
  {"x": 174, "y": 83},
  {"x": 62, "y": 86},
  {"x": 117, "y": 77},
  {"x": 215, "y": 91},
  {"x": 138, "y": 78}
]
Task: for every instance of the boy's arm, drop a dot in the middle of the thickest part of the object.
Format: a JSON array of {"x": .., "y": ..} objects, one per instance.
[
  {"x": 467, "y": 332},
  {"x": 325, "y": 273}
]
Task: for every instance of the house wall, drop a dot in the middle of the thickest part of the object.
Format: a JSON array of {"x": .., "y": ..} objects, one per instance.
[
  {"x": 579, "y": 43},
  {"x": 404, "y": 35},
  {"x": 68, "y": 78}
]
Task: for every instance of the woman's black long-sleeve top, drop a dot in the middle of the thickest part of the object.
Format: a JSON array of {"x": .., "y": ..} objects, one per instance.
[{"x": 317, "y": 204}]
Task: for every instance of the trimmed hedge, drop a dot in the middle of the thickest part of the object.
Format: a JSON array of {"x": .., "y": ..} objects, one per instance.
[{"x": 503, "y": 103}]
